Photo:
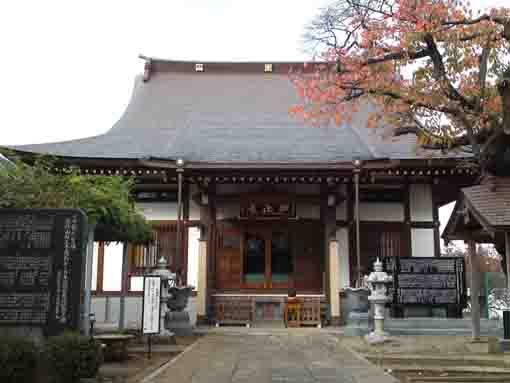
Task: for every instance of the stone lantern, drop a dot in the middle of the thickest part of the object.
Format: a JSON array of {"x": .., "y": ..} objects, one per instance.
[
  {"x": 378, "y": 282},
  {"x": 167, "y": 281}
]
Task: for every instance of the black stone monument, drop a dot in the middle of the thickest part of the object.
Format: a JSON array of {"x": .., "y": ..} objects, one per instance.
[{"x": 42, "y": 259}]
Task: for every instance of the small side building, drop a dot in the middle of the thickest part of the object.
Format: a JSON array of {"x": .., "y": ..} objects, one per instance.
[{"x": 279, "y": 203}]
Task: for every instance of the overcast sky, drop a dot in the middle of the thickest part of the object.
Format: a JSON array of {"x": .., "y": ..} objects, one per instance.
[{"x": 68, "y": 67}]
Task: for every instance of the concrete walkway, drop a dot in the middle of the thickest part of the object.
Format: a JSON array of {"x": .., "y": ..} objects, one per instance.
[{"x": 294, "y": 357}]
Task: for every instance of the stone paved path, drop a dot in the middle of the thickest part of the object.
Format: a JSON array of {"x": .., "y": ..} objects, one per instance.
[{"x": 293, "y": 357}]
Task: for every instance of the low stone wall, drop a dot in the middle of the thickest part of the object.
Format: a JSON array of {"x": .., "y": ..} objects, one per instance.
[
  {"x": 425, "y": 326},
  {"x": 107, "y": 310}
]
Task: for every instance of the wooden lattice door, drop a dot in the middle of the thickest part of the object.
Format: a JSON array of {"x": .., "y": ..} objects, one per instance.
[{"x": 228, "y": 258}]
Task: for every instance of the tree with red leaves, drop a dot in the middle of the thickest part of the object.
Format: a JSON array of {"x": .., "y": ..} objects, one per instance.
[{"x": 432, "y": 68}]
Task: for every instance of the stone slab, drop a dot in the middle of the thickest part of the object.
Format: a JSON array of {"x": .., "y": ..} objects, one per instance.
[{"x": 280, "y": 357}]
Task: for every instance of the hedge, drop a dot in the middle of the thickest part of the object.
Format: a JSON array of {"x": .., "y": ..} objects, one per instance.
[
  {"x": 71, "y": 357},
  {"x": 18, "y": 359}
]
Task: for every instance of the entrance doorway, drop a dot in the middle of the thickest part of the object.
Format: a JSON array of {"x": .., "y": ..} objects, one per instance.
[
  {"x": 269, "y": 256},
  {"x": 267, "y": 259}
]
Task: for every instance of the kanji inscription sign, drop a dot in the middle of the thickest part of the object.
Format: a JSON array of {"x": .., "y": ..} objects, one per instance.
[{"x": 42, "y": 254}]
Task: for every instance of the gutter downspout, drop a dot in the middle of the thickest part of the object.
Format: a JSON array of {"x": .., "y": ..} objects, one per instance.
[
  {"x": 180, "y": 170},
  {"x": 357, "y": 170}
]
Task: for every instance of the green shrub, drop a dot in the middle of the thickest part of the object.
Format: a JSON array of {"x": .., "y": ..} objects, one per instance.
[
  {"x": 18, "y": 359},
  {"x": 70, "y": 357}
]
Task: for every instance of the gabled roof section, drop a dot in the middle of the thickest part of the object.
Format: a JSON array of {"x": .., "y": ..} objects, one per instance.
[
  {"x": 229, "y": 113},
  {"x": 481, "y": 211},
  {"x": 491, "y": 200}
]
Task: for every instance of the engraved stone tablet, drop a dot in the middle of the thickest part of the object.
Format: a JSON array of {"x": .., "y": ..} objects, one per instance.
[{"x": 41, "y": 263}]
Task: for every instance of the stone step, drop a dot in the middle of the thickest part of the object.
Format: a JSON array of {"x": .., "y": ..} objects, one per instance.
[
  {"x": 452, "y": 370},
  {"x": 458, "y": 379},
  {"x": 158, "y": 348},
  {"x": 443, "y": 360}
]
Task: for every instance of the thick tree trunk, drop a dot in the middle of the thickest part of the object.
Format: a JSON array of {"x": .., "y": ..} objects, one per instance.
[{"x": 504, "y": 91}]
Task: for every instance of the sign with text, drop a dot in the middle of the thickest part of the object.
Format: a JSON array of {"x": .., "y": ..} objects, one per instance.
[
  {"x": 262, "y": 206},
  {"x": 151, "y": 304},
  {"x": 42, "y": 255},
  {"x": 427, "y": 281}
]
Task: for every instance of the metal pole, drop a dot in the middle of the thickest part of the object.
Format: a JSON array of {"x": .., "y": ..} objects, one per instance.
[
  {"x": 356, "y": 216},
  {"x": 180, "y": 170}
]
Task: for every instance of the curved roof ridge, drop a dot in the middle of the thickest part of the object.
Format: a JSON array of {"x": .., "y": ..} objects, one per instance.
[{"x": 221, "y": 118}]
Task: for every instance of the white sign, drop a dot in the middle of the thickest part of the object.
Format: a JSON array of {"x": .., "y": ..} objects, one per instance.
[{"x": 151, "y": 305}]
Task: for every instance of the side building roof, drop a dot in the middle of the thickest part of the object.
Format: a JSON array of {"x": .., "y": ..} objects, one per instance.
[
  {"x": 482, "y": 212},
  {"x": 233, "y": 113}
]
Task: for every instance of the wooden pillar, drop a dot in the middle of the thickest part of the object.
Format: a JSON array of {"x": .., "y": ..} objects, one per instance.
[
  {"x": 100, "y": 268},
  {"x": 124, "y": 287},
  {"x": 435, "y": 215},
  {"x": 407, "y": 220},
  {"x": 328, "y": 219},
  {"x": 507, "y": 252},
  {"x": 334, "y": 283},
  {"x": 351, "y": 233},
  {"x": 357, "y": 220},
  {"x": 475, "y": 289},
  {"x": 207, "y": 246},
  {"x": 87, "y": 284},
  {"x": 202, "y": 282}
]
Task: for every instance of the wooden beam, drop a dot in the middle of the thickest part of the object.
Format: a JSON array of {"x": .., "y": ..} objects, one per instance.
[
  {"x": 100, "y": 268},
  {"x": 407, "y": 220},
  {"x": 435, "y": 217},
  {"x": 475, "y": 289},
  {"x": 352, "y": 232}
]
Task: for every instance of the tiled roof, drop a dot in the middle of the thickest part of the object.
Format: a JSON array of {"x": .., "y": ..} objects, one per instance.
[
  {"x": 235, "y": 114},
  {"x": 491, "y": 201}
]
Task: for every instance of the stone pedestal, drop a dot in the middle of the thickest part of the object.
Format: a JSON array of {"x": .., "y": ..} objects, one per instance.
[
  {"x": 178, "y": 323},
  {"x": 176, "y": 319}
]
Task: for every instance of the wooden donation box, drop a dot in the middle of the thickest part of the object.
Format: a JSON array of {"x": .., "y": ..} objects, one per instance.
[{"x": 42, "y": 255}]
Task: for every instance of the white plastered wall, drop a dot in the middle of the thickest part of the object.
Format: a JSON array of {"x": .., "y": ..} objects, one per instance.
[
  {"x": 133, "y": 310},
  {"x": 308, "y": 210},
  {"x": 194, "y": 208},
  {"x": 422, "y": 242},
  {"x": 226, "y": 210},
  {"x": 420, "y": 200},
  {"x": 158, "y": 211},
  {"x": 341, "y": 211},
  {"x": 342, "y": 237},
  {"x": 381, "y": 211}
]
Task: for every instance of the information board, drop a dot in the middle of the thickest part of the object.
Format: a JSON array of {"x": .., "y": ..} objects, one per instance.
[
  {"x": 151, "y": 304},
  {"x": 427, "y": 281},
  {"x": 42, "y": 254}
]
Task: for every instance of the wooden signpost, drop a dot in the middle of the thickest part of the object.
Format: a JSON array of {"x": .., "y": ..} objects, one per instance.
[{"x": 151, "y": 308}]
